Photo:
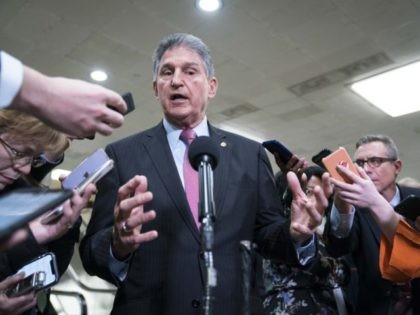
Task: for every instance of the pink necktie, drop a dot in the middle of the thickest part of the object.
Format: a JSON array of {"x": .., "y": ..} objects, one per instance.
[{"x": 190, "y": 175}]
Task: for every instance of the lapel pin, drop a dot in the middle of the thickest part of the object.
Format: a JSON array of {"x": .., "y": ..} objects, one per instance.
[{"x": 223, "y": 144}]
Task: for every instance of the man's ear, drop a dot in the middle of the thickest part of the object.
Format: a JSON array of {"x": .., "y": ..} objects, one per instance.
[
  {"x": 213, "y": 84},
  {"x": 398, "y": 167},
  {"x": 155, "y": 88}
]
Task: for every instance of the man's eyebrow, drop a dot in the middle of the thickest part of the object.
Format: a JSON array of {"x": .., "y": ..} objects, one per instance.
[{"x": 184, "y": 65}]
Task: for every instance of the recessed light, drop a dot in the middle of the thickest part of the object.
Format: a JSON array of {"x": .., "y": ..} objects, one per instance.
[
  {"x": 395, "y": 92},
  {"x": 209, "y": 5},
  {"x": 98, "y": 75}
]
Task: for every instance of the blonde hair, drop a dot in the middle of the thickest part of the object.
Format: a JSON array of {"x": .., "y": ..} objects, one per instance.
[{"x": 25, "y": 129}]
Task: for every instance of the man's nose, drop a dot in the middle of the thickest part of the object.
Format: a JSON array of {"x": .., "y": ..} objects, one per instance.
[{"x": 176, "y": 79}]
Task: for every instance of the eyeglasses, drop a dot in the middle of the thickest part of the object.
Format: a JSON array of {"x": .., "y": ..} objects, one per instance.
[
  {"x": 16, "y": 155},
  {"x": 374, "y": 161}
]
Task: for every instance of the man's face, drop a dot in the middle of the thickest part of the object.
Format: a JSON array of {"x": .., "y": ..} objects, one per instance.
[
  {"x": 384, "y": 175},
  {"x": 183, "y": 88}
]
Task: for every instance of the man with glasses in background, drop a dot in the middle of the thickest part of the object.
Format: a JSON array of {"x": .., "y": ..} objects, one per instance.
[{"x": 353, "y": 230}]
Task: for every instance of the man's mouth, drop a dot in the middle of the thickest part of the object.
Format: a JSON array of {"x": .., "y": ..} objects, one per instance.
[{"x": 178, "y": 97}]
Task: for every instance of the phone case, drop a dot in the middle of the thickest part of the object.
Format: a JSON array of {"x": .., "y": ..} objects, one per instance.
[
  {"x": 275, "y": 146},
  {"x": 46, "y": 264},
  {"x": 339, "y": 157},
  {"x": 96, "y": 165}
]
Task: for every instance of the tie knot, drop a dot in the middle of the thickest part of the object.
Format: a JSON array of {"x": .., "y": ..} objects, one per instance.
[{"x": 188, "y": 135}]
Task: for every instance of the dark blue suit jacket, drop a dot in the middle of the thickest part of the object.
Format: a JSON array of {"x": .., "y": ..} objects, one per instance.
[
  {"x": 167, "y": 275},
  {"x": 374, "y": 293}
]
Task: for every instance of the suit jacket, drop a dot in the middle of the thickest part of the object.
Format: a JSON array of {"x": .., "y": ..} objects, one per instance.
[
  {"x": 167, "y": 275},
  {"x": 375, "y": 294}
]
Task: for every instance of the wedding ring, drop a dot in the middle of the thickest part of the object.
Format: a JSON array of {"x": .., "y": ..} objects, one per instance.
[{"x": 125, "y": 228}]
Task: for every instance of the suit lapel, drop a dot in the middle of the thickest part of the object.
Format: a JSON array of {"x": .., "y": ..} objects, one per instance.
[
  {"x": 160, "y": 153},
  {"x": 221, "y": 172}
]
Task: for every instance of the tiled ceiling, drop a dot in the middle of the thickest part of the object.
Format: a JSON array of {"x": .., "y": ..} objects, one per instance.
[{"x": 262, "y": 49}]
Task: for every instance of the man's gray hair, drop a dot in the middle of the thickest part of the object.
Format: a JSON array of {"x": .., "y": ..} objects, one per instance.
[
  {"x": 387, "y": 141},
  {"x": 183, "y": 40}
]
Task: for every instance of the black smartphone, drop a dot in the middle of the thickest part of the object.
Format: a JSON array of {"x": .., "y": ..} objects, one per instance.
[
  {"x": 128, "y": 98},
  {"x": 275, "y": 146},
  {"x": 317, "y": 158},
  {"x": 409, "y": 207}
]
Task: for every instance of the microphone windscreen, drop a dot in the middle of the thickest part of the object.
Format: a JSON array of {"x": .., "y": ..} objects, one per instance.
[{"x": 202, "y": 147}]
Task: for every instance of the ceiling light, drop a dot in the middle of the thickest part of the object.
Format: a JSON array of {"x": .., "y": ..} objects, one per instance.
[
  {"x": 98, "y": 75},
  {"x": 209, "y": 5},
  {"x": 396, "y": 92}
]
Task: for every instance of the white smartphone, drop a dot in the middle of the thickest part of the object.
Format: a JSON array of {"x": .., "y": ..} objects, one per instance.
[
  {"x": 91, "y": 170},
  {"x": 40, "y": 273}
]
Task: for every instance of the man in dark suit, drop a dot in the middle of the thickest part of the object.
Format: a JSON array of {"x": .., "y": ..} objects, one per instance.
[
  {"x": 354, "y": 230},
  {"x": 154, "y": 256}
]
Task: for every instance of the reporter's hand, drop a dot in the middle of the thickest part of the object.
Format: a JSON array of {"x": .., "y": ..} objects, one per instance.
[
  {"x": 45, "y": 233},
  {"x": 361, "y": 192},
  {"x": 130, "y": 216},
  {"x": 74, "y": 107},
  {"x": 14, "y": 305},
  {"x": 306, "y": 213},
  {"x": 295, "y": 164},
  {"x": 16, "y": 237}
]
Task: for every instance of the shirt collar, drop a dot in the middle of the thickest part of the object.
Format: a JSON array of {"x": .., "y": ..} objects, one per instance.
[
  {"x": 396, "y": 199},
  {"x": 173, "y": 133}
]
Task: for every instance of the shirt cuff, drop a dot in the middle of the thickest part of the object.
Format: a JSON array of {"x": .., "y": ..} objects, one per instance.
[
  {"x": 118, "y": 268},
  {"x": 11, "y": 78},
  {"x": 341, "y": 223},
  {"x": 306, "y": 252}
]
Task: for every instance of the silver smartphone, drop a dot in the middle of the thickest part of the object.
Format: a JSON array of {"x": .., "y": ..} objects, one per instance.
[{"x": 91, "y": 170}]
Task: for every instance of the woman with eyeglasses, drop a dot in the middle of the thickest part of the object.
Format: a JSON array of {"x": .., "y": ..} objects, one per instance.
[{"x": 22, "y": 138}]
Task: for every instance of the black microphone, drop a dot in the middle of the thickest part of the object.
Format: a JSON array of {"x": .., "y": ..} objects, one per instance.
[
  {"x": 203, "y": 154},
  {"x": 203, "y": 149}
]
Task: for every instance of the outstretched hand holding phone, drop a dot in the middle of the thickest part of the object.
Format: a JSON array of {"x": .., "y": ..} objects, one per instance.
[{"x": 285, "y": 159}]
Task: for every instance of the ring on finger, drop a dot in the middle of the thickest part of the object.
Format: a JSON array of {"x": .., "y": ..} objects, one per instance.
[{"x": 125, "y": 228}]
